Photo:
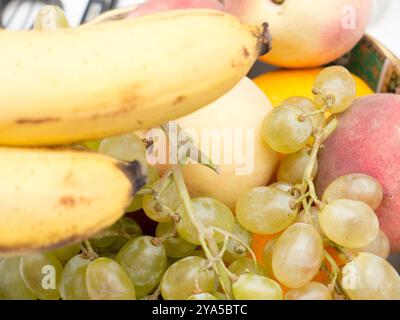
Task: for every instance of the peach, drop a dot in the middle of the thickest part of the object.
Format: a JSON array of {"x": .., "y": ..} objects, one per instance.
[
  {"x": 229, "y": 132},
  {"x": 306, "y": 33},
  {"x": 367, "y": 141},
  {"x": 151, "y": 6}
]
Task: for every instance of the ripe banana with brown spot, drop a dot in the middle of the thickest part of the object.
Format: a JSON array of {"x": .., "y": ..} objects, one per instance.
[
  {"x": 70, "y": 85},
  {"x": 51, "y": 197}
]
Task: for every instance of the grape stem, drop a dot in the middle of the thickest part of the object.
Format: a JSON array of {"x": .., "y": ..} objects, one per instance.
[
  {"x": 88, "y": 252},
  {"x": 334, "y": 285},
  {"x": 233, "y": 237},
  {"x": 209, "y": 246},
  {"x": 322, "y": 132},
  {"x": 155, "y": 294},
  {"x": 207, "y": 242}
]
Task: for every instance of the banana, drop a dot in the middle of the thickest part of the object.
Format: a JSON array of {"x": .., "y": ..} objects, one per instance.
[
  {"x": 70, "y": 85},
  {"x": 51, "y": 197}
]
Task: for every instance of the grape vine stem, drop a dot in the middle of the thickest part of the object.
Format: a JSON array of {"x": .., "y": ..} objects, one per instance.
[{"x": 207, "y": 242}]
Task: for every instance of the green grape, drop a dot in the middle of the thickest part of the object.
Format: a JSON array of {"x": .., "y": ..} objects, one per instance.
[
  {"x": 50, "y": 18},
  {"x": 92, "y": 144},
  {"x": 169, "y": 197},
  {"x": 235, "y": 249},
  {"x": 41, "y": 273},
  {"x": 380, "y": 246},
  {"x": 282, "y": 185},
  {"x": 66, "y": 253},
  {"x": 127, "y": 147},
  {"x": 308, "y": 106},
  {"x": 175, "y": 245},
  {"x": 199, "y": 253},
  {"x": 265, "y": 210},
  {"x": 256, "y": 287},
  {"x": 243, "y": 266},
  {"x": 335, "y": 81},
  {"x": 356, "y": 186},
  {"x": 292, "y": 168},
  {"x": 129, "y": 228},
  {"x": 220, "y": 295},
  {"x": 297, "y": 255},
  {"x": 369, "y": 277},
  {"x": 202, "y": 296},
  {"x": 144, "y": 262},
  {"x": 311, "y": 218},
  {"x": 186, "y": 277},
  {"x": 73, "y": 279},
  {"x": 212, "y": 213},
  {"x": 137, "y": 201},
  {"x": 101, "y": 244},
  {"x": 311, "y": 291},
  {"x": 106, "y": 280},
  {"x": 12, "y": 286},
  {"x": 284, "y": 130},
  {"x": 267, "y": 257},
  {"x": 121, "y": 230},
  {"x": 351, "y": 224}
]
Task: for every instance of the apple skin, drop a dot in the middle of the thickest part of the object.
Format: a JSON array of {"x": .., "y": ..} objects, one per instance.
[
  {"x": 152, "y": 6},
  {"x": 306, "y": 33}
]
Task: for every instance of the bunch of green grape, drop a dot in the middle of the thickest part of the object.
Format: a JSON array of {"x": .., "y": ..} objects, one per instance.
[
  {"x": 307, "y": 227},
  {"x": 181, "y": 258}
]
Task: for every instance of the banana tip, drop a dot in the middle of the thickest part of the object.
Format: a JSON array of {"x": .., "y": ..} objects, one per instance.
[
  {"x": 266, "y": 39},
  {"x": 134, "y": 171}
]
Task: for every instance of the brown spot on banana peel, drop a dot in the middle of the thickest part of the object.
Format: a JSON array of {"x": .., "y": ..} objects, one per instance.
[
  {"x": 67, "y": 201},
  {"x": 246, "y": 52},
  {"x": 134, "y": 172},
  {"x": 179, "y": 99},
  {"x": 265, "y": 39},
  {"x": 36, "y": 121}
]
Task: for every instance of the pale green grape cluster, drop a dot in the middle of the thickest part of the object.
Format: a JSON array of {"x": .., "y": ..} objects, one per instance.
[
  {"x": 245, "y": 265},
  {"x": 285, "y": 131},
  {"x": 309, "y": 240},
  {"x": 297, "y": 255},
  {"x": 265, "y": 210},
  {"x": 144, "y": 262},
  {"x": 335, "y": 82},
  {"x": 293, "y": 166},
  {"x": 111, "y": 240},
  {"x": 256, "y": 287},
  {"x": 187, "y": 277},
  {"x": 311, "y": 291},
  {"x": 106, "y": 280},
  {"x": 175, "y": 245},
  {"x": 211, "y": 213},
  {"x": 168, "y": 201},
  {"x": 238, "y": 249},
  {"x": 369, "y": 277},
  {"x": 349, "y": 223}
]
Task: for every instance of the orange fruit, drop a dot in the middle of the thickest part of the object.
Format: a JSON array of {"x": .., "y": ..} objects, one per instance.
[
  {"x": 258, "y": 244},
  {"x": 282, "y": 84}
]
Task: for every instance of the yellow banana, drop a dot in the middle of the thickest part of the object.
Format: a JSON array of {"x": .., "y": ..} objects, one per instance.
[
  {"x": 50, "y": 197},
  {"x": 69, "y": 85}
]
